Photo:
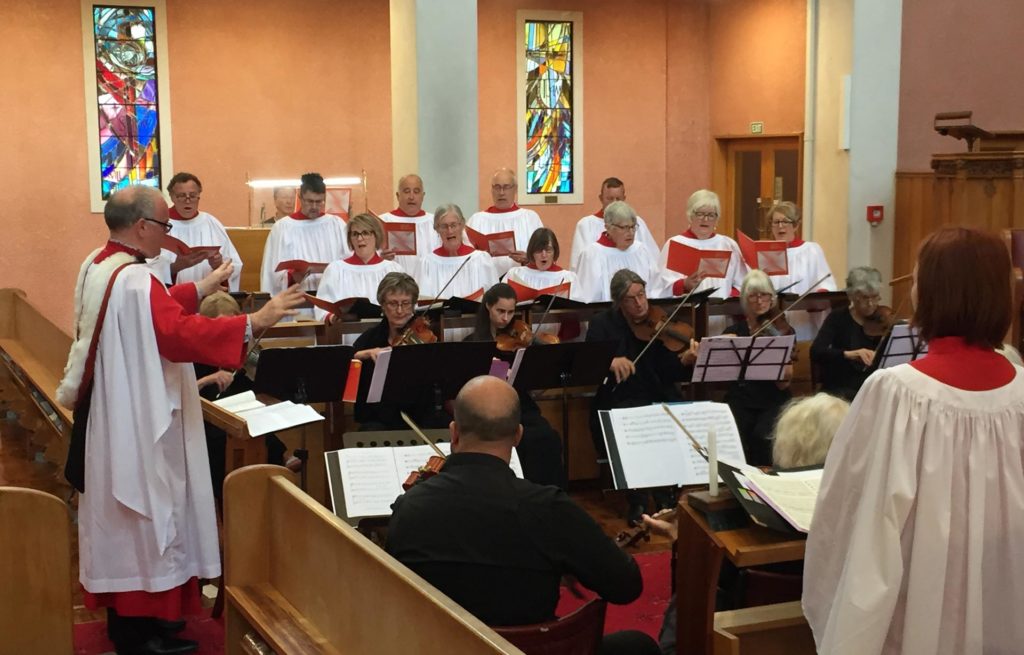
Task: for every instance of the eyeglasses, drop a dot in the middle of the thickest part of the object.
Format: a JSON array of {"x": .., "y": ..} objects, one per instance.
[
  {"x": 360, "y": 235},
  {"x": 186, "y": 196},
  {"x": 710, "y": 216},
  {"x": 759, "y": 295},
  {"x": 449, "y": 226},
  {"x": 316, "y": 203},
  {"x": 502, "y": 187},
  {"x": 865, "y": 299},
  {"x": 165, "y": 226},
  {"x": 625, "y": 228},
  {"x": 396, "y": 305},
  {"x": 782, "y": 223}
]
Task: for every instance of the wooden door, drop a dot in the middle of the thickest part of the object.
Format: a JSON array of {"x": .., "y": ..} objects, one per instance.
[{"x": 751, "y": 174}]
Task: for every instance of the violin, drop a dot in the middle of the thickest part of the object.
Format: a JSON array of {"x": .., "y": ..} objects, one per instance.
[
  {"x": 879, "y": 323},
  {"x": 433, "y": 466},
  {"x": 518, "y": 335},
  {"x": 633, "y": 536},
  {"x": 416, "y": 331},
  {"x": 773, "y": 326},
  {"x": 675, "y": 335}
]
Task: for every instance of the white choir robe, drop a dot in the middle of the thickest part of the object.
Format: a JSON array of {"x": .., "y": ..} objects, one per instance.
[
  {"x": 201, "y": 230},
  {"x": 590, "y": 228},
  {"x": 535, "y": 279},
  {"x": 435, "y": 269},
  {"x": 524, "y": 222},
  {"x": 733, "y": 279},
  {"x": 426, "y": 237},
  {"x": 601, "y": 260},
  {"x": 351, "y": 278},
  {"x": 146, "y": 521},
  {"x": 807, "y": 265},
  {"x": 316, "y": 240},
  {"x": 912, "y": 547}
]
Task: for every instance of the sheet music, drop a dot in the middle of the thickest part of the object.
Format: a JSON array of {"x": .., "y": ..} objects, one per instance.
[
  {"x": 900, "y": 348},
  {"x": 369, "y": 480},
  {"x": 516, "y": 363},
  {"x": 792, "y": 495},
  {"x": 281, "y": 416},
  {"x": 380, "y": 374},
  {"x": 720, "y": 359},
  {"x": 240, "y": 402},
  {"x": 698, "y": 418},
  {"x": 650, "y": 446}
]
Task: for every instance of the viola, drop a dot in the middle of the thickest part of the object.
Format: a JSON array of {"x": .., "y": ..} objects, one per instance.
[
  {"x": 433, "y": 466},
  {"x": 675, "y": 335},
  {"x": 416, "y": 331}
]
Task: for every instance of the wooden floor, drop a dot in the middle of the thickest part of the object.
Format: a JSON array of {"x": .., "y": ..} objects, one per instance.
[{"x": 23, "y": 464}]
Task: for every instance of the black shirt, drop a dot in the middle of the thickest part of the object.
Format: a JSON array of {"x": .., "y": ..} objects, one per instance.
[
  {"x": 756, "y": 394},
  {"x": 839, "y": 333},
  {"x": 498, "y": 545}
]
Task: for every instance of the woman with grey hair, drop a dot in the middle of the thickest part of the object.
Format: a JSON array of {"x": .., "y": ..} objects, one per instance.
[
  {"x": 616, "y": 249},
  {"x": 842, "y": 351}
]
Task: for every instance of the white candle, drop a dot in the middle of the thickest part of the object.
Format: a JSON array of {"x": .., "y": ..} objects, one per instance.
[{"x": 712, "y": 462}]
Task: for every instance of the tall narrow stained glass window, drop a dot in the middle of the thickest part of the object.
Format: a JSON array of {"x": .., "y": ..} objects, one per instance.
[
  {"x": 126, "y": 96},
  {"x": 549, "y": 107}
]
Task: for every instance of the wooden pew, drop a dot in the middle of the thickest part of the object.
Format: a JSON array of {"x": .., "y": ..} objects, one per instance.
[
  {"x": 766, "y": 630},
  {"x": 301, "y": 581},
  {"x": 35, "y": 573},
  {"x": 35, "y": 350}
]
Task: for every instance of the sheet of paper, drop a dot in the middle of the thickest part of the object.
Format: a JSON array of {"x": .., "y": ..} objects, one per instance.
[
  {"x": 904, "y": 345},
  {"x": 240, "y": 402},
  {"x": 650, "y": 447},
  {"x": 698, "y": 418},
  {"x": 380, "y": 374},
  {"x": 516, "y": 363},
  {"x": 370, "y": 481},
  {"x": 793, "y": 496},
  {"x": 274, "y": 418}
]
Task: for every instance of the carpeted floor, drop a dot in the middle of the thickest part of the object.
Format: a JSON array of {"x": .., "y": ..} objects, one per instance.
[{"x": 644, "y": 614}]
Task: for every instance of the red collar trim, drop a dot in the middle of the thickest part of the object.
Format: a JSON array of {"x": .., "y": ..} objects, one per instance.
[
  {"x": 690, "y": 235},
  {"x": 599, "y": 213},
  {"x": 112, "y": 247},
  {"x": 462, "y": 252},
  {"x": 399, "y": 212},
  {"x": 172, "y": 211},
  {"x": 554, "y": 268},
  {"x": 494, "y": 210},
  {"x": 795, "y": 243},
  {"x": 299, "y": 216},
  {"x": 954, "y": 362},
  {"x": 606, "y": 240},
  {"x": 355, "y": 261}
]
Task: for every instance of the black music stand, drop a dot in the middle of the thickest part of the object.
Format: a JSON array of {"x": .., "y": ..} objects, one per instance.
[
  {"x": 561, "y": 365},
  {"x": 728, "y": 359},
  {"x": 447, "y": 366}
]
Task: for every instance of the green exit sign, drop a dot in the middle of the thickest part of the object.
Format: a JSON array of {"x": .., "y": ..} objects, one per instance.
[{"x": 757, "y": 127}]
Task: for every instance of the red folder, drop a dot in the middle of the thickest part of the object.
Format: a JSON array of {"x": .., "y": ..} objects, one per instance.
[
  {"x": 476, "y": 295},
  {"x": 524, "y": 293},
  {"x": 338, "y": 307},
  {"x": 355, "y": 368},
  {"x": 299, "y": 268},
  {"x": 400, "y": 238},
  {"x": 686, "y": 260},
  {"x": 768, "y": 256},
  {"x": 179, "y": 247},
  {"x": 496, "y": 243}
]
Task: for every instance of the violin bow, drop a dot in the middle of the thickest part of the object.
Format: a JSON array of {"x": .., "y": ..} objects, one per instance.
[
  {"x": 419, "y": 433},
  {"x": 809, "y": 291},
  {"x": 550, "y": 303},
  {"x": 696, "y": 444},
  {"x": 437, "y": 296}
]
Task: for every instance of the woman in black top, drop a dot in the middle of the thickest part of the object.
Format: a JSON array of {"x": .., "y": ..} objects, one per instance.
[
  {"x": 756, "y": 405},
  {"x": 540, "y": 450},
  {"x": 842, "y": 353}
]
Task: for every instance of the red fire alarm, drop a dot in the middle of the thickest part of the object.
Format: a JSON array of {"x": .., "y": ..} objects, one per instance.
[{"x": 875, "y": 214}]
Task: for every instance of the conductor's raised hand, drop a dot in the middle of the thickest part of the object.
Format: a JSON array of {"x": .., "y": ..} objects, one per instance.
[
  {"x": 622, "y": 368},
  {"x": 281, "y": 305},
  {"x": 217, "y": 280}
]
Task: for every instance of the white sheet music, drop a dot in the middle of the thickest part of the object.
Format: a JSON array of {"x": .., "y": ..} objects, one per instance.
[
  {"x": 654, "y": 452},
  {"x": 277, "y": 417},
  {"x": 904, "y": 345},
  {"x": 240, "y": 402},
  {"x": 721, "y": 359},
  {"x": 380, "y": 374},
  {"x": 792, "y": 495}
]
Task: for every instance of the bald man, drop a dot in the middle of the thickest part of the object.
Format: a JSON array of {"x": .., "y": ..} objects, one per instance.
[
  {"x": 498, "y": 545},
  {"x": 410, "y": 195},
  {"x": 505, "y": 215}
]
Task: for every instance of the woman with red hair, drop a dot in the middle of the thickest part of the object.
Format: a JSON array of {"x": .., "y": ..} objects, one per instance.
[{"x": 913, "y": 544}]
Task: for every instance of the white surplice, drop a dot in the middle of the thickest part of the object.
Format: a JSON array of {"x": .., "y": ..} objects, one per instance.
[
  {"x": 807, "y": 265},
  {"x": 435, "y": 270},
  {"x": 589, "y": 230},
  {"x": 600, "y": 262},
  {"x": 146, "y": 519},
  {"x": 913, "y": 545},
  {"x": 521, "y": 221},
  {"x": 315, "y": 240},
  {"x": 203, "y": 230},
  {"x": 343, "y": 279},
  {"x": 734, "y": 274},
  {"x": 426, "y": 237}
]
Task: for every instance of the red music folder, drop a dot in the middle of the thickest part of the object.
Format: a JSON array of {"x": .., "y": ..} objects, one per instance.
[
  {"x": 525, "y": 293},
  {"x": 476, "y": 295},
  {"x": 297, "y": 267},
  {"x": 496, "y": 243},
  {"x": 400, "y": 238},
  {"x": 768, "y": 256},
  {"x": 179, "y": 247},
  {"x": 686, "y": 260}
]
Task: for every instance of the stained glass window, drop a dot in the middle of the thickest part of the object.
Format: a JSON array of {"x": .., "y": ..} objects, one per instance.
[
  {"x": 549, "y": 107},
  {"x": 126, "y": 96}
]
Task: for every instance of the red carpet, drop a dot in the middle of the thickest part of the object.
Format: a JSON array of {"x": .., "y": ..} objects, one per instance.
[
  {"x": 645, "y": 613},
  {"x": 91, "y": 638}
]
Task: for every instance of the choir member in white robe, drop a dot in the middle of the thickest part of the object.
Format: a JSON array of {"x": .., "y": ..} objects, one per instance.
[
  {"x": 807, "y": 265},
  {"x": 436, "y": 269},
  {"x": 410, "y": 210},
  {"x": 589, "y": 228},
  {"x": 308, "y": 235},
  {"x": 505, "y": 215},
  {"x": 542, "y": 270},
  {"x": 616, "y": 249},
  {"x": 196, "y": 228},
  {"x": 913, "y": 544},
  {"x": 146, "y": 522},
  {"x": 359, "y": 275}
]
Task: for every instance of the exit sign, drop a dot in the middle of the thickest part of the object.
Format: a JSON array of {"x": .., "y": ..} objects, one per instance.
[{"x": 757, "y": 127}]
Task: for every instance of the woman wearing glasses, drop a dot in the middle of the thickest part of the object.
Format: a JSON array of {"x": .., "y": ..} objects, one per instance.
[
  {"x": 616, "y": 249},
  {"x": 359, "y": 275}
]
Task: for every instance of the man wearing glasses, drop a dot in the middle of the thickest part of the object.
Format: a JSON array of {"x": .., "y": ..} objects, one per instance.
[
  {"x": 197, "y": 228},
  {"x": 589, "y": 228},
  {"x": 505, "y": 215}
]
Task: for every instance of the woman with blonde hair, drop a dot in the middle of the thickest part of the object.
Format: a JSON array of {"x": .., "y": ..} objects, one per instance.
[{"x": 805, "y": 429}]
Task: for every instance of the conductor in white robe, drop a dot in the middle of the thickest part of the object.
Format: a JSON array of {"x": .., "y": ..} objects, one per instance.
[
  {"x": 616, "y": 249},
  {"x": 589, "y": 228},
  {"x": 410, "y": 211},
  {"x": 505, "y": 215},
  {"x": 146, "y": 523},
  {"x": 913, "y": 547}
]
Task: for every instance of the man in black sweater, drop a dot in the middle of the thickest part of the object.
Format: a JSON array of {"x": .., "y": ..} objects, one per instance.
[{"x": 498, "y": 545}]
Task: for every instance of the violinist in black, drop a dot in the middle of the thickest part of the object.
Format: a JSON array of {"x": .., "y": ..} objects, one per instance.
[
  {"x": 756, "y": 405},
  {"x": 540, "y": 450},
  {"x": 397, "y": 294}
]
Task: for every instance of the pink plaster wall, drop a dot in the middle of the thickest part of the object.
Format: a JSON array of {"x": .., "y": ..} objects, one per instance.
[{"x": 955, "y": 56}]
